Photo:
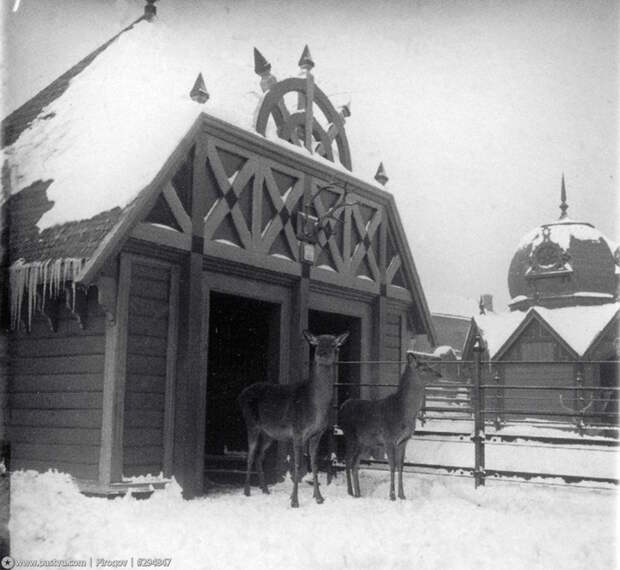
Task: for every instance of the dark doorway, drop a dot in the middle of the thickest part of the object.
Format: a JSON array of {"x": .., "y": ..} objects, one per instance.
[{"x": 244, "y": 340}]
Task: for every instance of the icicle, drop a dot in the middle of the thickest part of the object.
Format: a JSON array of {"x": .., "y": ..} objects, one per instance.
[{"x": 51, "y": 275}]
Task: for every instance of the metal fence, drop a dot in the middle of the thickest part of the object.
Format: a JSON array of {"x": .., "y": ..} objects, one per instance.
[{"x": 553, "y": 403}]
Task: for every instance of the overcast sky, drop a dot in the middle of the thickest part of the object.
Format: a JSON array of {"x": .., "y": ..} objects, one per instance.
[{"x": 475, "y": 108}]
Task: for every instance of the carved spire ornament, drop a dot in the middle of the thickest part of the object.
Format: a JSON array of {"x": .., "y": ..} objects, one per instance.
[
  {"x": 563, "y": 205},
  {"x": 199, "y": 91},
  {"x": 381, "y": 177}
]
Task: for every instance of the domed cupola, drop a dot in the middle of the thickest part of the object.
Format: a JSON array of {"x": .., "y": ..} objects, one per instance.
[{"x": 563, "y": 263}]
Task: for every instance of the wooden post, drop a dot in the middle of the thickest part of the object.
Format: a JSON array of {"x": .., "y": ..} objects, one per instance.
[
  {"x": 189, "y": 433},
  {"x": 5, "y": 498},
  {"x": 499, "y": 400},
  {"x": 478, "y": 401},
  {"x": 114, "y": 298}
]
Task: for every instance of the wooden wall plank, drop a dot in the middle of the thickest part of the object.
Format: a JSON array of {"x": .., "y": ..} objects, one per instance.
[
  {"x": 56, "y": 400},
  {"x": 148, "y": 288},
  {"x": 144, "y": 401},
  {"x": 146, "y": 345},
  {"x": 57, "y": 382},
  {"x": 145, "y": 418},
  {"x": 66, "y": 436},
  {"x": 135, "y": 437},
  {"x": 145, "y": 326},
  {"x": 58, "y": 346},
  {"x": 85, "y": 454},
  {"x": 88, "y": 364},
  {"x": 149, "y": 365},
  {"x": 145, "y": 383},
  {"x": 78, "y": 470},
  {"x": 144, "y": 455},
  {"x": 56, "y": 418}
]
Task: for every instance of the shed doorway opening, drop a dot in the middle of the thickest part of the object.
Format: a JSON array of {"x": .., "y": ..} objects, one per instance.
[
  {"x": 244, "y": 348},
  {"x": 320, "y": 322}
]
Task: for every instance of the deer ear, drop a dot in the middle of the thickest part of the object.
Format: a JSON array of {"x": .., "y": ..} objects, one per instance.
[
  {"x": 411, "y": 357},
  {"x": 340, "y": 340},
  {"x": 310, "y": 338}
]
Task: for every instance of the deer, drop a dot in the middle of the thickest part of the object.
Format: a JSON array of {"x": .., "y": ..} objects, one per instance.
[
  {"x": 297, "y": 412},
  {"x": 388, "y": 421}
]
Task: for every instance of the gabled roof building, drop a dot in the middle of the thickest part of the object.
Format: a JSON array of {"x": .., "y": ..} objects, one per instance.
[
  {"x": 564, "y": 311},
  {"x": 170, "y": 236}
]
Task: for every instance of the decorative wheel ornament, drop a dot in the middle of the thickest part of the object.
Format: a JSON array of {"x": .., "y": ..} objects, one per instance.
[
  {"x": 300, "y": 126},
  {"x": 548, "y": 255}
]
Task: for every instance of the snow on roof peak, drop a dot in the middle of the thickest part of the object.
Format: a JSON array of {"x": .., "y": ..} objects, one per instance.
[{"x": 577, "y": 326}]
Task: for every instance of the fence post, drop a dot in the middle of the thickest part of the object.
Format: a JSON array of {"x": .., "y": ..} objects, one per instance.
[
  {"x": 478, "y": 400},
  {"x": 499, "y": 400}
]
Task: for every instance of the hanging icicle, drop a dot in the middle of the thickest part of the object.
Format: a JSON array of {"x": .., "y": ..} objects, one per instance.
[{"x": 51, "y": 275}]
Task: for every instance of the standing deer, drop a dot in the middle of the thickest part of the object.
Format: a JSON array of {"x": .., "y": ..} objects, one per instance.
[
  {"x": 298, "y": 412},
  {"x": 389, "y": 422}
]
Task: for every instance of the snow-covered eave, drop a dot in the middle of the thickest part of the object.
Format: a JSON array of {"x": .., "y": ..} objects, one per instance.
[
  {"x": 531, "y": 315},
  {"x": 145, "y": 199}
]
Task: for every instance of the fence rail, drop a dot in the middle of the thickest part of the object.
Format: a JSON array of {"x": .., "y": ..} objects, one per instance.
[{"x": 585, "y": 413}]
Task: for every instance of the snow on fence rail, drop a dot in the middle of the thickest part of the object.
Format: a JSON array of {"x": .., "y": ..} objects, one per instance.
[{"x": 532, "y": 428}]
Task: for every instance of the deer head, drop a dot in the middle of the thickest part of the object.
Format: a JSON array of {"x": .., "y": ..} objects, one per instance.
[
  {"x": 326, "y": 346},
  {"x": 424, "y": 371}
]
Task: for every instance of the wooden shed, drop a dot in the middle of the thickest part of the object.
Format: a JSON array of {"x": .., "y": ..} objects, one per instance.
[{"x": 134, "y": 329}]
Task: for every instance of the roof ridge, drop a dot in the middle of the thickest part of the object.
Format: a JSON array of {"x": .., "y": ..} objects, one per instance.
[{"x": 14, "y": 124}]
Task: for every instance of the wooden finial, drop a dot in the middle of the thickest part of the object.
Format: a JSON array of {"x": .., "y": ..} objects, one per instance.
[
  {"x": 305, "y": 61},
  {"x": 263, "y": 68},
  {"x": 381, "y": 177},
  {"x": 149, "y": 10},
  {"x": 563, "y": 205},
  {"x": 199, "y": 91},
  {"x": 261, "y": 65}
]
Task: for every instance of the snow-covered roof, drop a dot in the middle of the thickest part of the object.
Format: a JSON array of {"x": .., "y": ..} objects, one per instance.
[
  {"x": 121, "y": 117},
  {"x": 577, "y": 326},
  {"x": 561, "y": 233}
]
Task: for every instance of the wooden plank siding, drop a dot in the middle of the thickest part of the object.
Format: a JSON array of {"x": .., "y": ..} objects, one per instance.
[
  {"x": 151, "y": 309},
  {"x": 55, "y": 393}
]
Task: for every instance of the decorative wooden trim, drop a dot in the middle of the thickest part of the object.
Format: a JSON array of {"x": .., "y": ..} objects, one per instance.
[
  {"x": 171, "y": 367},
  {"x": 400, "y": 293},
  {"x": 162, "y": 236},
  {"x": 181, "y": 216},
  {"x": 115, "y": 369},
  {"x": 392, "y": 268},
  {"x": 145, "y": 200}
]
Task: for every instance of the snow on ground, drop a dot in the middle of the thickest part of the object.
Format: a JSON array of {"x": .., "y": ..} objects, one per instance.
[{"x": 444, "y": 523}]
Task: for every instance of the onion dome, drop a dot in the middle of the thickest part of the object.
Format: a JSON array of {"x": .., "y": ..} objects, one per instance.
[{"x": 563, "y": 263}]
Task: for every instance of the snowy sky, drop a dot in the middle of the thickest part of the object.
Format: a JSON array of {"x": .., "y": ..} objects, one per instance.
[{"x": 475, "y": 107}]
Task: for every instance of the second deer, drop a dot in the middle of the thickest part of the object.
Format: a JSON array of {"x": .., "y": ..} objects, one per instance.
[{"x": 389, "y": 422}]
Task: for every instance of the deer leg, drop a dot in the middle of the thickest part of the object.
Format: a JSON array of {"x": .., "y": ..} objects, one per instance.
[
  {"x": 297, "y": 450},
  {"x": 314, "y": 462},
  {"x": 253, "y": 436},
  {"x": 357, "y": 455},
  {"x": 391, "y": 453},
  {"x": 260, "y": 459},
  {"x": 348, "y": 463},
  {"x": 400, "y": 460}
]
